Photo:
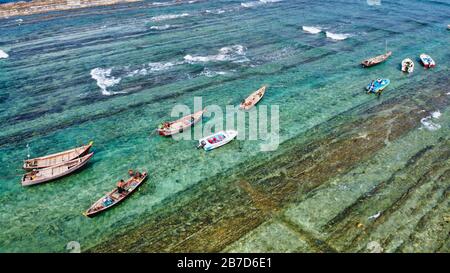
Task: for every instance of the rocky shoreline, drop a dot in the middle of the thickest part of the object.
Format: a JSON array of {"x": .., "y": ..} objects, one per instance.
[{"x": 41, "y": 6}]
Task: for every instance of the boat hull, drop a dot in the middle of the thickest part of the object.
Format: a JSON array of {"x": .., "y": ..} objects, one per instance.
[
  {"x": 83, "y": 150},
  {"x": 427, "y": 61},
  {"x": 172, "y": 131},
  {"x": 377, "y": 87},
  {"x": 91, "y": 214},
  {"x": 209, "y": 144},
  {"x": 376, "y": 60},
  {"x": 408, "y": 66},
  {"x": 253, "y": 99},
  {"x": 77, "y": 165}
]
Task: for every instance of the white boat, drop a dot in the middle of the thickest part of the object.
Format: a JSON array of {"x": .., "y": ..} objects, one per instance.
[
  {"x": 408, "y": 65},
  {"x": 216, "y": 140},
  {"x": 427, "y": 60}
]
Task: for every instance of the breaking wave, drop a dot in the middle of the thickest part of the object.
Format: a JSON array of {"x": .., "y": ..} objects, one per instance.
[
  {"x": 252, "y": 4},
  {"x": 105, "y": 80},
  {"x": 162, "y": 3},
  {"x": 168, "y": 17},
  {"x": 152, "y": 67},
  {"x": 210, "y": 73},
  {"x": 163, "y": 27},
  {"x": 234, "y": 53},
  {"x": 312, "y": 30},
  {"x": 374, "y": 2},
  {"x": 216, "y": 11},
  {"x": 3, "y": 54},
  {"x": 429, "y": 123},
  {"x": 336, "y": 36}
]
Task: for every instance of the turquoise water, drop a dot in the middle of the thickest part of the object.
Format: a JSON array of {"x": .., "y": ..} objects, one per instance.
[{"x": 219, "y": 50}]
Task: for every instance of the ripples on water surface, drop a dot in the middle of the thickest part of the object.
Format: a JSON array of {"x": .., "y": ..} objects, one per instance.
[{"x": 111, "y": 74}]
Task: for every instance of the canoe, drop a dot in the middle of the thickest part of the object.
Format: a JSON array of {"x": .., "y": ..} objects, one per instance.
[
  {"x": 54, "y": 172},
  {"x": 55, "y": 159},
  {"x": 114, "y": 197},
  {"x": 253, "y": 99},
  {"x": 177, "y": 126},
  {"x": 216, "y": 140},
  {"x": 377, "y": 86},
  {"x": 427, "y": 61},
  {"x": 376, "y": 60},
  {"x": 408, "y": 65}
]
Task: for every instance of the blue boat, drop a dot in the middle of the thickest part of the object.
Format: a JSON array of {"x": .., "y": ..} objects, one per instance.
[{"x": 377, "y": 86}]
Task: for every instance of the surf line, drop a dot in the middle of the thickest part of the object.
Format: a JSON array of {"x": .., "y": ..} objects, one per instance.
[{"x": 193, "y": 263}]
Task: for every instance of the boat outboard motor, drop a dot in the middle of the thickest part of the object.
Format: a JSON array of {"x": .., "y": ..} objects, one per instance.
[{"x": 202, "y": 144}]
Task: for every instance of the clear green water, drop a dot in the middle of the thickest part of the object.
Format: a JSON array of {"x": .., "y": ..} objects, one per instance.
[{"x": 49, "y": 100}]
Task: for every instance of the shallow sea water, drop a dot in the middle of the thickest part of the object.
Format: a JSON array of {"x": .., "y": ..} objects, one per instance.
[{"x": 163, "y": 56}]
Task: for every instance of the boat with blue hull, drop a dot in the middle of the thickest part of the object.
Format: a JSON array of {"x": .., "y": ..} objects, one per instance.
[{"x": 377, "y": 86}]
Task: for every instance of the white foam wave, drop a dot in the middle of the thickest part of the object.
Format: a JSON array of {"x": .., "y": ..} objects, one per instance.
[
  {"x": 216, "y": 11},
  {"x": 252, "y": 4},
  {"x": 3, "y": 54},
  {"x": 437, "y": 114},
  {"x": 210, "y": 73},
  {"x": 234, "y": 53},
  {"x": 105, "y": 80},
  {"x": 374, "y": 2},
  {"x": 152, "y": 67},
  {"x": 163, "y": 27},
  {"x": 168, "y": 17},
  {"x": 312, "y": 30},
  {"x": 337, "y": 36},
  {"x": 162, "y": 3},
  {"x": 429, "y": 123}
]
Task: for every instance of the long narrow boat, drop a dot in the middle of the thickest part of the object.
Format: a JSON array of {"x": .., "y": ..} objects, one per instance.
[
  {"x": 55, "y": 159},
  {"x": 177, "y": 126},
  {"x": 253, "y": 99},
  {"x": 427, "y": 61},
  {"x": 376, "y": 60},
  {"x": 54, "y": 172},
  {"x": 114, "y": 197}
]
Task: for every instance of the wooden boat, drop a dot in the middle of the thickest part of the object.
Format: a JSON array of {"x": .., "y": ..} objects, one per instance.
[
  {"x": 54, "y": 172},
  {"x": 377, "y": 86},
  {"x": 408, "y": 65},
  {"x": 175, "y": 127},
  {"x": 253, "y": 99},
  {"x": 376, "y": 60},
  {"x": 216, "y": 140},
  {"x": 427, "y": 60},
  {"x": 114, "y": 197},
  {"x": 55, "y": 159}
]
